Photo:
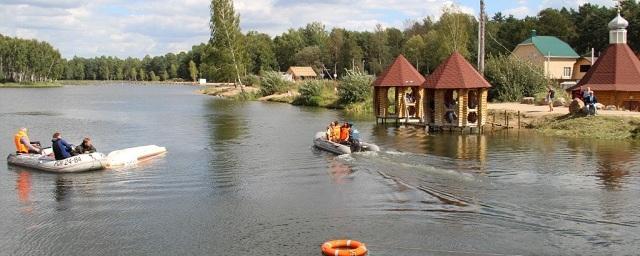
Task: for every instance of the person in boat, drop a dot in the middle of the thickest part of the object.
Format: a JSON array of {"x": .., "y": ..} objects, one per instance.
[
  {"x": 61, "y": 149},
  {"x": 336, "y": 132},
  {"x": 330, "y": 132},
  {"x": 86, "y": 147},
  {"x": 344, "y": 133},
  {"x": 24, "y": 145},
  {"x": 354, "y": 138}
]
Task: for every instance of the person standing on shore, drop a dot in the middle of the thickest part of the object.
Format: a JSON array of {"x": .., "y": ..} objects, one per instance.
[{"x": 551, "y": 94}]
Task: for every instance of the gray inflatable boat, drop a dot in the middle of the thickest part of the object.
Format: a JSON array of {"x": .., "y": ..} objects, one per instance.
[{"x": 321, "y": 142}]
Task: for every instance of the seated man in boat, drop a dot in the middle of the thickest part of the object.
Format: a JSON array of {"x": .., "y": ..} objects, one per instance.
[
  {"x": 344, "y": 133},
  {"x": 24, "y": 145},
  {"x": 86, "y": 147},
  {"x": 354, "y": 139},
  {"x": 61, "y": 149},
  {"x": 336, "y": 132}
]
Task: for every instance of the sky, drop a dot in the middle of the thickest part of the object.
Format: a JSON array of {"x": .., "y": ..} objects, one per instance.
[{"x": 136, "y": 28}]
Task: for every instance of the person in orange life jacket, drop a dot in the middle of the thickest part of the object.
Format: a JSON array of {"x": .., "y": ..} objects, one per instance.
[
  {"x": 336, "y": 132},
  {"x": 344, "y": 133},
  {"x": 24, "y": 145},
  {"x": 329, "y": 135},
  {"x": 61, "y": 149}
]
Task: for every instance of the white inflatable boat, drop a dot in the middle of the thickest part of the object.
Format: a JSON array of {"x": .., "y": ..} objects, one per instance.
[
  {"x": 85, "y": 162},
  {"x": 132, "y": 156},
  {"x": 321, "y": 142},
  {"x": 79, "y": 163}
]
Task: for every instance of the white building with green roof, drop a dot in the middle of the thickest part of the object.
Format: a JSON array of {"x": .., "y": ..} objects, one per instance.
[{"x": 554, "y": 55}]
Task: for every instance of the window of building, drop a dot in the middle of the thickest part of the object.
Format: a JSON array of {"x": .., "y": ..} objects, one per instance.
[
  {"x": 584, "y": 68},
  {"x": 567, "y": 72}
]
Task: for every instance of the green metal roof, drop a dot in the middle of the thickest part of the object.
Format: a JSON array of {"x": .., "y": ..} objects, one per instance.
[{"x": 552, "y": 46}]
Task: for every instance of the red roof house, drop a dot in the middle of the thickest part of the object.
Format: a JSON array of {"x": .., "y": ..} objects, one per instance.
[
  {"x": 615, "y": 76},
  {"x": 405, "y": 81},
  {"x": 456, "y": 94}
]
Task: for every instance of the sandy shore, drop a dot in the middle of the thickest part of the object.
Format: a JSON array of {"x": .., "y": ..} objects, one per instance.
[{"x": 537, "y": 111}]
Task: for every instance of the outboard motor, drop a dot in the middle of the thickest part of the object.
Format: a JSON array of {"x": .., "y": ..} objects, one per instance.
[{"x": 354, "y": 138}]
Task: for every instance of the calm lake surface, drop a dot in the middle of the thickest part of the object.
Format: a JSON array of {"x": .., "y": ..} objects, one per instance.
[{"x": 243, "y": 179}]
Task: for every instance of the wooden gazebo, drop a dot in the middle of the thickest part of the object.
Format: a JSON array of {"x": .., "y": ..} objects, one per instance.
[
  {"x": 404, "y": 81},
  {"x": 455, "y": 95}
]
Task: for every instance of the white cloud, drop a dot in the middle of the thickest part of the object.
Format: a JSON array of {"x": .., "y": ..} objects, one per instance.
[
  {"x": 519, "y": 12},
  {"x": 139, "y": 27}
]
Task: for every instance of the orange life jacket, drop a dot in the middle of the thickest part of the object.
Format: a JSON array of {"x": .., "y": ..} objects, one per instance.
[
  {"x": 336, "y": 132},
  {"x": 344, "y": 133},
  {"x": 20, "y": 148}
]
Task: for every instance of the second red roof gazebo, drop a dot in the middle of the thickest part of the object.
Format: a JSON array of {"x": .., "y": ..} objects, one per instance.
[
  {"x": 402, "y": 77},
  {"x": 456, "y": 95}
]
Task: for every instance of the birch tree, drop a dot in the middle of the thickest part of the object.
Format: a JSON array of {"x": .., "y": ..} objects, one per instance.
[{"x": 227, "y": 54}]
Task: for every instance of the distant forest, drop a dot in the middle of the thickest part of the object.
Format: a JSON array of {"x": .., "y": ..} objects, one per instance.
[{"x": 425, "y": 43}]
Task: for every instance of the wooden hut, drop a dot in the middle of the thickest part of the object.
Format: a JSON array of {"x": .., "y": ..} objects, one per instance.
[
  {"x": 301, "y": 73},
  {"x": 615, "y": 76},
  {"x": 455, "y": 95},
  {"x": 404, "y": 82}
]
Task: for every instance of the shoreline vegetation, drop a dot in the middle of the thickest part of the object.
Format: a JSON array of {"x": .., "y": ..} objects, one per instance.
[{"x": 608, "y": 125}]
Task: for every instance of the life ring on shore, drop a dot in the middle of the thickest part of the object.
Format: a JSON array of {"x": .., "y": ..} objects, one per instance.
[{"x": 335, "y": 248}]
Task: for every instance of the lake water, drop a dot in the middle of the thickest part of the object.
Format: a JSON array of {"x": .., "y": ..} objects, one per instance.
[{"x": 244, "y": 179}]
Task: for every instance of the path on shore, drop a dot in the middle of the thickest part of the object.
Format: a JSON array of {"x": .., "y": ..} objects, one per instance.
[{"x": 534, "y": 111}]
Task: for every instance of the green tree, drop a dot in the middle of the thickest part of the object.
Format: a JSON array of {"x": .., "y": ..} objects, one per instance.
[
  {"x": 286, "y": 46},
  {"x": 193, "y": 71},
  {"x": 261, "y": 53},
  {"x": 559, "y": 23},
  {"x": 513, "y": 78},
  {"x": 153, "y": 77},
  {"x": 143, "y": 74},
  {"x": 309, "y": 56},
  {"x": 228, "y": 55},
  {"x": 133, "y": 74},
  {"x": 413, "y": 50}
]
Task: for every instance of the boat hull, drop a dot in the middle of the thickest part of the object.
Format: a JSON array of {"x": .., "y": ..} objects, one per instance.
[
  {"x": 321, "y": 142},
  {"x": 79, "y": 163}
]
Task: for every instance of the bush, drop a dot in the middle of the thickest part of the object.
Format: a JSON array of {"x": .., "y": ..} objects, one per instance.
[
  {"x": 311, "y": 93},
  {"x": 251, "y": 80},
  {"x": 512, "y": 78},
  {"x": 355, "y": 87},
  {"x": 272, "y": 82},
  {"x": 316, "y": 93}
]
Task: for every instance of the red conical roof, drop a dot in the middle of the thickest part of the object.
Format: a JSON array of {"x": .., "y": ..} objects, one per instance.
[
  {"x": 617, "y": 69},
  {"x": 455, "y": 73},
  {"x": 400, "y": 74}
]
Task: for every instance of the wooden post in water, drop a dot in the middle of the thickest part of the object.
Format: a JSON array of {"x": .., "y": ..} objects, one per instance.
[
  {"x": 506, "y": 120},
  {"x": 519, "y": 120}
]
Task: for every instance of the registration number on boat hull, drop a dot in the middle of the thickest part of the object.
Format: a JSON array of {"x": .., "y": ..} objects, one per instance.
[{"x": 68, "y": 161}]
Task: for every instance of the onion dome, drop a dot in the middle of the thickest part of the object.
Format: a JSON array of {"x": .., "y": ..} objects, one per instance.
[{"x": 618, "y": 23}]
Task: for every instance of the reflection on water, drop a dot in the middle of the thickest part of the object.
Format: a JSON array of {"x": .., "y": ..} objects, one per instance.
[
  {"x": 243, "y": 178},
  {"x": 24, "y": 187}
]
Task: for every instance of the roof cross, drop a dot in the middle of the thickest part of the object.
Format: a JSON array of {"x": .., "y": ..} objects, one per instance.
[{"x": 618, "y": 4}]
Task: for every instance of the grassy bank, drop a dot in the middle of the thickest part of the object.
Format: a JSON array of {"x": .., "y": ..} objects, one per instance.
[
  {"x": 32, "y": 85},
  {"x": 352, "y": 93},
  {"x": 592, "y": 127}
]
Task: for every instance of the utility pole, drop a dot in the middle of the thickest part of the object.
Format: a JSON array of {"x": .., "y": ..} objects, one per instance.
[{"x": 481, "y": 31}]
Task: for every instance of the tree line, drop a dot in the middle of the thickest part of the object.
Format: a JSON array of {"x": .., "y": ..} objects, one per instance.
[{"x": 231, "y": 55}]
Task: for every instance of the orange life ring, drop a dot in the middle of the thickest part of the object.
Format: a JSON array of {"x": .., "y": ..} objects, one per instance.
[{"x": 333, "y": 248}]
